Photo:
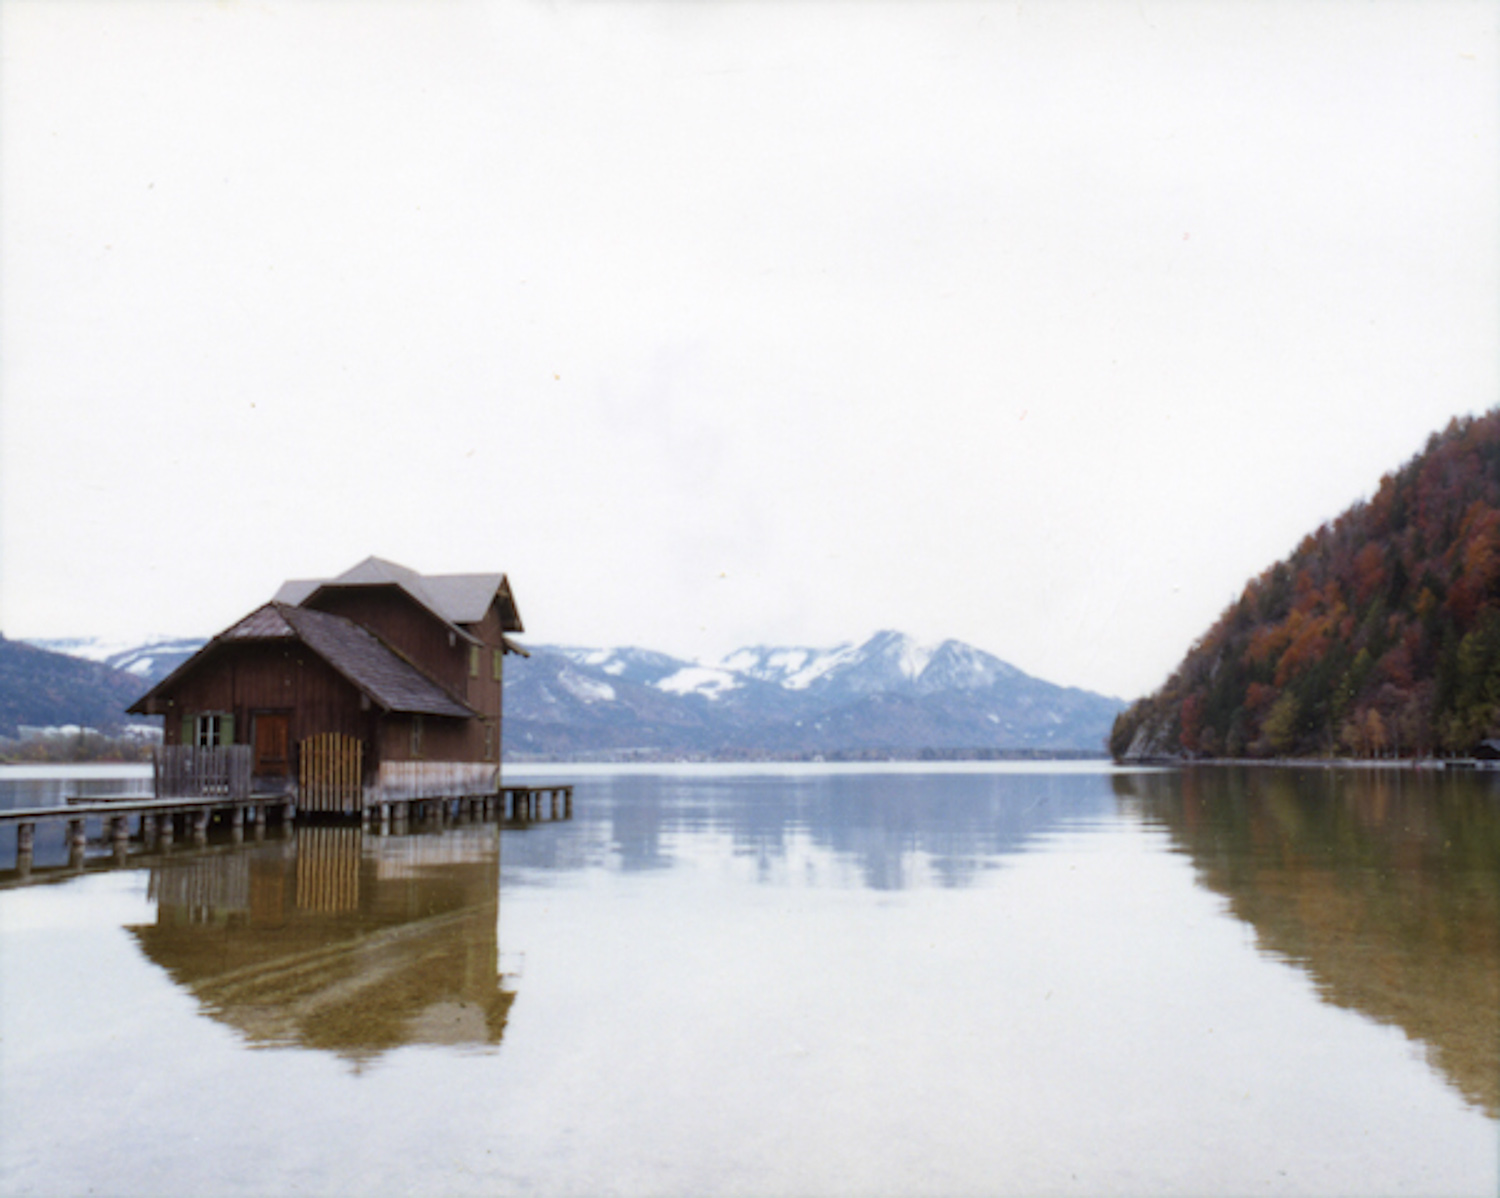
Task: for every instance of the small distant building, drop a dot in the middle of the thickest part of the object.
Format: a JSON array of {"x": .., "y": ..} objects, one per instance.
[{"x": 381, "y": 683}]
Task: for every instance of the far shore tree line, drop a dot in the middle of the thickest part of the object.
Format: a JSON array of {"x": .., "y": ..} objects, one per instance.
[
  {"x": 82, "y": 747},
  {"x": 1379, "y": 637}
]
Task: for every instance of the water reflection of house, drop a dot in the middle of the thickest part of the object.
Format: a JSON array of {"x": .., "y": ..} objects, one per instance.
[{"x": 340, "y": 941}]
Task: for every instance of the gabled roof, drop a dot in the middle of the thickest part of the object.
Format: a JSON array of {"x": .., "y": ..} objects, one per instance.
[
  {"x": 391, "y": 681},
  {"x": 456, "y": 599}
]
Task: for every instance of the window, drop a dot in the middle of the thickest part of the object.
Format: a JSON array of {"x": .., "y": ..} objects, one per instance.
[
  {"x": 497, "y": 664},
  {"x": 211, "y": 729},
  {"x": 473, "y": 661}
]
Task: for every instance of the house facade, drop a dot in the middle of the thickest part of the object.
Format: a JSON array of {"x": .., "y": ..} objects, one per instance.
[{"x": 380, "y": 683}]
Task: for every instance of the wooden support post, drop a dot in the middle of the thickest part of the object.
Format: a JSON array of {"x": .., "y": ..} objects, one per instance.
[
  {"x": 76, "y": 842},
  {"x": 119, "y": 835},
  {"x": 25, "y": 847},
  {"x": 165, "y": 829}
]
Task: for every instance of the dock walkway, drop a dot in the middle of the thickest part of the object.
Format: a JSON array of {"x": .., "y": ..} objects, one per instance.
[{"x": 160, "y": 821}]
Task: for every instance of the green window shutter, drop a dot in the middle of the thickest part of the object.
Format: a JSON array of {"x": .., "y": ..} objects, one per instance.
[
  {"x": 189, "y": 728},
  {"x": 226, "y": 730},
  {"x": 497, "y": 664},
  {"x": 473, "y": 661}
]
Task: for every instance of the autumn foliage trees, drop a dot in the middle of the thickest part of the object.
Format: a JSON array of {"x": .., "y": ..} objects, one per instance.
[{"x": 1378, "y": 637}]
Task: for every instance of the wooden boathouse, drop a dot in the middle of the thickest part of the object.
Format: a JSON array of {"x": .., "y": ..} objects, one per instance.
[{"x": 378, "y": 686}]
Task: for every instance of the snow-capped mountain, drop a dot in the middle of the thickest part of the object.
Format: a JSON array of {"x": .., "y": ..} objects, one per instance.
[
  {"x": 887, "y": 662},
  {"x": 889, "y": 694}
]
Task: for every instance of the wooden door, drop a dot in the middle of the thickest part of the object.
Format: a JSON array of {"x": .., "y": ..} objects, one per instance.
[
  {"x": 272, "y": 745},
  {"x": 330, "y": 770}
]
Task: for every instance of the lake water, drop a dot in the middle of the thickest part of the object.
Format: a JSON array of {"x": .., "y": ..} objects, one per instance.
[{"x": 798, "y": 980}]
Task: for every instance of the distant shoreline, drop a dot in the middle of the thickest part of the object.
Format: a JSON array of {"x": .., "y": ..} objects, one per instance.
[
  {"x": 652, "y": 756},
  {"x": 1323, "y": 763}
]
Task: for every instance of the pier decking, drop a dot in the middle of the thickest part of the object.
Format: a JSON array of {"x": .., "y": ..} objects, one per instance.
[{"x": 158, "y": 823}]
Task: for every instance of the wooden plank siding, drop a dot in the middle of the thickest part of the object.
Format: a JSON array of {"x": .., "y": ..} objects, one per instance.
[
  {"x": 270, "y": 677},
  {"x": 406, "y": 626},
  {"x": 330, "y": 775},
  {"x": 421, "y": 636},
  {"x": 399, "y": 781}
]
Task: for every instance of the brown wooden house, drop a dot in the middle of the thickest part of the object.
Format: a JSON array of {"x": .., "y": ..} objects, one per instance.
[{"x": 381, "y": 683}]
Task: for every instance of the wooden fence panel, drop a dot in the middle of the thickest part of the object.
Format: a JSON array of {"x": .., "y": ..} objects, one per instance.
[
  {"x": 188, "y": 771},
  {"x": 330, "y": 769}
]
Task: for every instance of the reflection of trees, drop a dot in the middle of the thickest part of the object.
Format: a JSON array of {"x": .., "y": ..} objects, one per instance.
[
  {"x": 340, "y": 941},
  {"x": 1383, "y": 884}
]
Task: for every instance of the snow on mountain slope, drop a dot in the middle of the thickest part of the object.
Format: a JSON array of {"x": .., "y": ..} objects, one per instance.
[
  {"x": 643, "y": 666},
  {"x": 793, "y": 669},
  {"x": 150, "y": 660},
  {"x": 699, "y": 680},
  {"x": 585, "y": 689}
]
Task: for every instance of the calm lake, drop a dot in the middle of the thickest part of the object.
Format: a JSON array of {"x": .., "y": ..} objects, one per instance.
[{"x": 1026, "y": 979}]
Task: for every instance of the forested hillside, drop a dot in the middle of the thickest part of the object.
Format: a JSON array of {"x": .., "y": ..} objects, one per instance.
[
  {"x": 41, "y": 688},
  {"x": 1379, "y": 636}
]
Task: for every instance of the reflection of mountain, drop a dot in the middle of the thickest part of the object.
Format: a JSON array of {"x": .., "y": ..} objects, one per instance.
[
  {"x": 957, "y": 824},
  {"x": 340, "y": 941},
  {"x": 1383, "y": 885}
]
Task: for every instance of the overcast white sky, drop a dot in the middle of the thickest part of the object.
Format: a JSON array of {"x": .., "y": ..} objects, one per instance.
[{"x": 1039, "y": 325}]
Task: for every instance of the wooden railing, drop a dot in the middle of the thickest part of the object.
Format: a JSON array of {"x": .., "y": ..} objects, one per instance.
[{"x": 187, "y": 771}]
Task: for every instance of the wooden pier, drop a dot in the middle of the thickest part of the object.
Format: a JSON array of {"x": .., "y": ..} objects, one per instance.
[{"x": 161, "y": 822}]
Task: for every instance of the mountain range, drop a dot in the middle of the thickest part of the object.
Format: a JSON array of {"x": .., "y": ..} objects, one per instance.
[{"x": 889, "y": 695}]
